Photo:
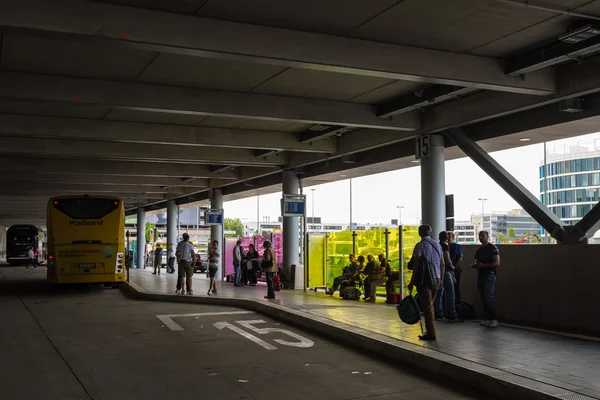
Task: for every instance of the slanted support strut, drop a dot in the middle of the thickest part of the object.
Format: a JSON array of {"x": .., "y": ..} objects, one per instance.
[{"x": 531, "y": 204}]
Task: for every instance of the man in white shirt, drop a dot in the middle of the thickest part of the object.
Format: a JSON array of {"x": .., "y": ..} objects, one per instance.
[
  {"x": 31, "y": 258},
  {"x": 186, "y": 260},
  {"x": 171, "y": 259}
]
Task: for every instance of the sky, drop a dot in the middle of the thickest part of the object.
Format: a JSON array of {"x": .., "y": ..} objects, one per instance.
[{"x": 376, "y": 197}]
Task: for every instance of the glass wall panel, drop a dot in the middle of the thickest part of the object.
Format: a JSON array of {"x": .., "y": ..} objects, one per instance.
[{"x": 316, "y": 260}]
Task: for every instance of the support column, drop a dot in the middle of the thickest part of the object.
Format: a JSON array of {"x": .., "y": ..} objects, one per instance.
[
  {"x": 141, "y": 237},
  {"x": 433, "y": 186},
  {"x": 172, "y": 214},
  {"x": 291, "y": 236},
  {"x": 216, "y": 231}
]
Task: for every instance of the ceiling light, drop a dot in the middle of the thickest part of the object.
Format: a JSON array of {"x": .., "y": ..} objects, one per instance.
[
  {"x": 415, "y": 161},
  {"x": 579, "y": 35},
  {"x": 342, "y": 175},
  {"x": 525, "y": 139}
]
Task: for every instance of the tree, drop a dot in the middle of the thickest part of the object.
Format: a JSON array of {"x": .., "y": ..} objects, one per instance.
[
  {"x": 511, "y": 234},
  {"x": 533, "y": 238},
  {"x": 501, "y": 238},
  {"x": 149, "y": 232},
  {"x": 236, "y": 225}
]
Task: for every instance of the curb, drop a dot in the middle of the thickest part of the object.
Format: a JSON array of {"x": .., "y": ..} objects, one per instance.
[{"x": 464, "y": 373}]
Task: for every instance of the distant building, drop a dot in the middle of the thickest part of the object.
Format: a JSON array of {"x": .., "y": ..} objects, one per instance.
[
  {"x": 573, "y": 181},
  {"x": 466, "y": 232},
  {"x": 500, "y": 222}
]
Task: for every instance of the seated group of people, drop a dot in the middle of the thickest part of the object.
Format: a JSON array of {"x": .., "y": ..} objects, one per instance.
[{"x": 369, "y": 276}]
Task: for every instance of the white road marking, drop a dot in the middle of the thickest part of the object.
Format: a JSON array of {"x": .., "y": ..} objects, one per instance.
[
  {"x": 174, "y": 326},
  {"x": 302, "y": 341},
  {"x": 249, "y": 336}
]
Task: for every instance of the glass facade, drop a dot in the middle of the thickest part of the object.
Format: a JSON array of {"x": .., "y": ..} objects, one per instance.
[
  {"x": 569, "y": 166},
  {"x": 574, "y": 193}
]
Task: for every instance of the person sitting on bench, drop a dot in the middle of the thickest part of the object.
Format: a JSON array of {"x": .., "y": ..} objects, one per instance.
[{"x": 348, "y": 273}]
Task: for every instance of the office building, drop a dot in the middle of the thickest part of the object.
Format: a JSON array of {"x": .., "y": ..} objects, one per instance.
[{"x": 573, "y": 181}]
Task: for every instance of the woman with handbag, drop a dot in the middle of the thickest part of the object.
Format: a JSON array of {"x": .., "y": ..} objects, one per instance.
[
  {"x": 253, "y": 266},
  {"x": 270, "y": 267}
]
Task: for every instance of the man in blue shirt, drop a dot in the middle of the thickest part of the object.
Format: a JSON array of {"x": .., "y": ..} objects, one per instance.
[
  {"x": 456, "y": 256},
  {"x": 157, "y": 259},
  {"x": 432, "y": 252}
]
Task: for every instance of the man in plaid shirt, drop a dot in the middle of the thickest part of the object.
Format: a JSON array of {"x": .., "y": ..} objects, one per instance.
[{"x": 432, "y": 251}]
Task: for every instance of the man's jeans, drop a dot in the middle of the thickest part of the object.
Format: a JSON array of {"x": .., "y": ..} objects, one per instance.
[
  {"x": 447, "y": 290},
  {"x": 486, "y": 283},
  {"x": 238, "y": 273}
]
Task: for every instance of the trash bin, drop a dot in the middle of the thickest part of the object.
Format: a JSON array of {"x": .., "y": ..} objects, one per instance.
[{"x": 299, "y": 277}]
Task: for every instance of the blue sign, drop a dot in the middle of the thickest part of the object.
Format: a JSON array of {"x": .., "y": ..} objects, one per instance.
[
  {"x": 293, "y": 206},
  {"x": 214, "y": 217}
]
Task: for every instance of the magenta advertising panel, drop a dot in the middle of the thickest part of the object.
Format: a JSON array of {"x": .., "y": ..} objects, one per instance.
[
  {"x": 278, "y": 247},
  {"x": 228, "y": 258}
]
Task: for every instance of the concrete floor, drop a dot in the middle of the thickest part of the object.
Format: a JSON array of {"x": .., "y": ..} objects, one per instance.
[{"x": 93, "y": 343}]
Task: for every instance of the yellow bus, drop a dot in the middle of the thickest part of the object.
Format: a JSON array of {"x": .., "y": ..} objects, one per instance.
[{"x": 86, "y": 240}]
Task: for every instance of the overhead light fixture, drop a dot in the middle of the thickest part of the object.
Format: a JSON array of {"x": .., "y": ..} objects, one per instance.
[
  {"x": 525, "y": 139},
  {"x": 415, "y": 161},
  {"x": 579, "y": 35},
  {"x": 342, "y": 175},
  {"x": 571, "y": 105},
  {"x": 349, "y": 159},
  {"x": 573, "y": 45}
]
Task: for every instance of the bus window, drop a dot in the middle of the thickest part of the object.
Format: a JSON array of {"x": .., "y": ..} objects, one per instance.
[{"x": 86, "y": 208}]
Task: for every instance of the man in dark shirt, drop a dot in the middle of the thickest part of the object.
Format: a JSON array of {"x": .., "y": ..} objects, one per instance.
[
  {"x": 456, "y": 256},
  {"x": 348, "y": 272},
  {"x": 487, "y": 259}
]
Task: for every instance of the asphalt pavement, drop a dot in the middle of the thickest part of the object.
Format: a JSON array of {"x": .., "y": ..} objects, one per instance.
[{"x": 90, "y": 342}]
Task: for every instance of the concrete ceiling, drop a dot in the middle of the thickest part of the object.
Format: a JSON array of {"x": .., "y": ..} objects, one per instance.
[{"x": 152, "y": 100}]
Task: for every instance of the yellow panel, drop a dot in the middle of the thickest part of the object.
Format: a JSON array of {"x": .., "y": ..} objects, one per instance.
[
  {"x": 316, "y": 260},
  {"x": 339, "y": 247},
  {"x": 410, "y": 237}
]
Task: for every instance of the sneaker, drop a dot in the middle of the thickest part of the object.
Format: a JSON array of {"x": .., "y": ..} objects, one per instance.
[
  {"x": 190, "y": 293},
  {"x": 178, "y": 291},
  {"x": 214, "y": 291},
  {"x": 208, "y": 293},
  {"x": 492, "y": 324},
  {"x": 485, "y": 323},
  {"x": 440, "y": 318},
  {"x": 454, "y": 320}
]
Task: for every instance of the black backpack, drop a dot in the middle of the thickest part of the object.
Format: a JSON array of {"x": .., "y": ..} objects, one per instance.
[{"x": 409, "y": 310}]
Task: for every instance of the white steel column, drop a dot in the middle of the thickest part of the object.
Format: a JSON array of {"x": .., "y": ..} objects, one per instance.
[
  {"x": 291, "y": 233},
  {"x": 216, "y": 231},
  {"x": 141, "y": 237},
  {"x": 172, "y": 215},
  {"x": 433, "y": 186}
]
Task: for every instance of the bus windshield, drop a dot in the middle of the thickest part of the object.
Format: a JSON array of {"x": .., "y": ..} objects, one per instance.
[{"x": 86, "y": 208}]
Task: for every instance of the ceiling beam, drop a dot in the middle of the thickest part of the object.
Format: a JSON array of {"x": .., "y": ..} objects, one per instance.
[
  {"x": 189, "y": 35},
  {"x": 133, "y": 151},
  {"x": 114, "y": 168},
  {"x": 420, "y": 99},
  {"x": 133, "y": 132},
  {"x": 104, "y": 180},
  {"x": 317, "y": 133},
  {"x": 573, "y": 80},
  {"x": 142, "y": 197},
  {"x": 191, "y": 101},
  {"x": 91, "y": 187}
]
